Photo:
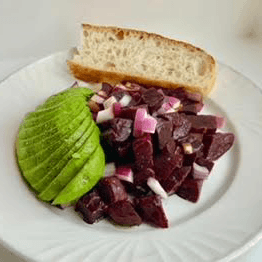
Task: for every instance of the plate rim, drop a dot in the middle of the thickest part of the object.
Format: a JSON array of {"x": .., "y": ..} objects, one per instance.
[{"x": 236, "y": 252}]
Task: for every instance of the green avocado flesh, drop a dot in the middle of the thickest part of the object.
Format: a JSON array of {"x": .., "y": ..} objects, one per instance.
[
  {"x": 71, "y": 168},
  {"x": 85, "y": 180},
  {"x": 56, "y": 142}
]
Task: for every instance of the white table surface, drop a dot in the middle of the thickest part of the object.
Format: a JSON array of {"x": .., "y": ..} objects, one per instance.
[{"x": 31, "y": 29}]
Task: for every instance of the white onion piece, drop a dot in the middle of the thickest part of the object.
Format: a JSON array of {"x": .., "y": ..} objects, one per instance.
[
  {"x": 125, "y": 173},
  {"x": 188, "y": 149},
  {"x": 125, "y": 100},
  {"x": 98, "y": 99},
  {"x": 102, "y": 93},
  {"x": 141, "y": 114},
  {"x": 110, "y": 169},
  {"x": 109, "y": 102},
  {"x": 221, "y": 122},
  {"x": 156, "y": 187},
  {"x": 200, "y": 172},
  {"x": 149, "y": 124},
  {"x": 105, "y": 115},
  {"x": 132, "y": 87}
]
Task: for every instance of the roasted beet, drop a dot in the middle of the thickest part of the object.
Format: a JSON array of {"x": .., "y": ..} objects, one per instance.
[
  {"x": 206, "y": 163},
  {"x": 217, "y": 145},
  {"x": 153, "y": 99},
  {"x": 123, "y": 213},
  {"x": 106, "y": 90},
  {"x": 91, "y": 207},
  {"x": 130, "y": 111},
  {"x": 143, "y": 152},
  {"x": 111, "y": 190},
  {"x": 151, "y": 210},
  {"x": 179, "y": 93},
  {"x": 193, "y": 108},
  {"x": 164, "y": 131},
  {"x": 174, "y": 181},
  {"x": 189, "y": 159},
  {"x": 190, "y": 189},
  {"x": 140, "y": 178},
  {"x": 203, "y": 123},
  {"x": 168, "y": 161},
  {"x": 122, "y": 128},
  {"x": 180, "y": 123},
  {"x": 194, "y": 140},
  {"x": 136, "y": 98}
]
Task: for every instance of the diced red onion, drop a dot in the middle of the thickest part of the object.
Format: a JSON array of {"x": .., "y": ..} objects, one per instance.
[
  {"x": 102, "y": 93},
  {"x": 156, "y": 187},
  {"x": 125, "y": 173},
  {"x": 109, "y": 102},
  {"x": 105, "y": 115},
  {"x": 110, "y": 169},
  {"x": 98, "y": 99},
  {"x": 117, "y": 109},
  {"x": 149, "y": 124},
  {"x": 164, "y": 108},
  {"x": 174, "y": 102},
  {"x": 125, "y": 100},
  {"x": 141, "y": 114},
  {"x": 221, "y": 122},
  {"x": 188, "y": 149},
  {"x": 200, "y": 172}
]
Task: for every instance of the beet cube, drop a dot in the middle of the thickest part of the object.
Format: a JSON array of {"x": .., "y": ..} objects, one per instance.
[
  {"x": 130, "y": 111},
  {"x": 91, "y": 206},
  {"x": 168, "y": 161},
  {"x": 136, "y": 98},
  {"x": 123, "y": 213},
  {"x": 111, "y": 190},
  {"x": 189, "y": 159},
  {"x": 179, "y": 93},
  {"x": 143, "y": 152},
  {"x": 217, "y": 145},
  {"x": 164, "y": 131},
  {"x": 190, "y": 189},
  {"x": 192, "y": 108},
  {"x": 140, "y": 178},
  {"x": 107, "y": 89},
  {"x": 151, "y": 210},
  {"x": 174, "y": 181},
  {"x": 180, "y": 123},
  {"x": 194, "y": 139},
  {"x": 202, "y": 123},
  {"x": 205, "y": 163},
  {"x": 153, "y": 99},
  {"x": 120, "y": 129}
]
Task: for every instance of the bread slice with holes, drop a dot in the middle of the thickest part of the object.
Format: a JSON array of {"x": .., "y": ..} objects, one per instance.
[{"x": 114, "y": 55}]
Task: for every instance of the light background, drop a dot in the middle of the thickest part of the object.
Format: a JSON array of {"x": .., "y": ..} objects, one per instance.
[{"x": 229, "y": 29}]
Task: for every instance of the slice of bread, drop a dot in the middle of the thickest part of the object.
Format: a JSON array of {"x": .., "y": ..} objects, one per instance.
[{"x": 114, "y": 55}]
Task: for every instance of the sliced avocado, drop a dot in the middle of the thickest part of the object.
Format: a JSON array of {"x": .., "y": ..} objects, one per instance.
[
  {"x": 56, "y": 169},
  {"x": 72, "y": 167},
  {"x": 34, "y": 171},
  {"x": 58, "y": 99},
  {"x": 29, "y": 147},
  {"x": 86, "y": 178},
  {"x": 38, "y": 117},
  {"x": 50, "y": 126}
]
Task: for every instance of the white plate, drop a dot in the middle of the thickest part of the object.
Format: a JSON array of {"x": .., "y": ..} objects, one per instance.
[{"x": 224, "y": 223}]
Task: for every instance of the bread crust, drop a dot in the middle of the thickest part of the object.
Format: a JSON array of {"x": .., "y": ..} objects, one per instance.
[{"x": 89, "y": 74}]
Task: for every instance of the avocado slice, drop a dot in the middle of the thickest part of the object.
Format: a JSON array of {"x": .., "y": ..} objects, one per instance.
[
  {"x": 72, "y": 167},
  {"x": 58, "y": 99},
  {"x": 85, "y": 180},
  {"x": 34, "y": 173},
  {"x": 43, "y": 115},
  {"x": 56, "y": 169},
  {"x": 31, "y": 147},
  {"x": 53, "y": 125}
]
